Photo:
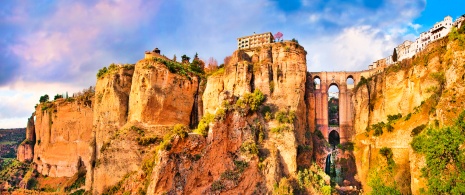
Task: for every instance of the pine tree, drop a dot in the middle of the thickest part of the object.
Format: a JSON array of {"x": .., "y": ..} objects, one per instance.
[{"x": 394, "y": 55}]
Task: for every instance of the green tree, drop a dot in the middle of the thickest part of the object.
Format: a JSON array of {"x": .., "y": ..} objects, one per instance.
[
  {"x": 394, "y": 55},
  {"x": 43, "y": 98},
  {"x": 57, "y": 96},
  {"x": 445, "y": 157}
]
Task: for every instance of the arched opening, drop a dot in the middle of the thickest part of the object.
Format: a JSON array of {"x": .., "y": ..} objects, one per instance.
[
  {"x": 334, "y": 138},
  {"x": 333, "y": 106},
  {"x": 316, "y": 82},
  {"x": 350, "y": 82}
]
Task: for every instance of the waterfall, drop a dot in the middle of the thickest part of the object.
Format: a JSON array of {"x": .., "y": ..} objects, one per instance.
[{"x": 328, "y": 164}]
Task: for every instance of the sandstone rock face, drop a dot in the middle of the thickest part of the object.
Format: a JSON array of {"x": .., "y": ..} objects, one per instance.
[
  {"x": 159, "y": 97},
  {"x": 112, "y": 103},
  {"x": 110, "y": 114},
  {"x": 405, "y": 90},
  {"x": 279, "y": 71},
  {"x": 63, "y": 132},
  {"x": 26, "y": 148},
  {"x": 176, "y": 171},
  {"x": 148, "y": 97}
]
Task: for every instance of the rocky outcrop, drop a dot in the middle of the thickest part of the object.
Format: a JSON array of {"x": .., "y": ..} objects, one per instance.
[
  {"x": 159, "y": 97},
  {"x": 63, "y": 130},
  {"x": 406, "y": 89},
  {"x": 145, "y": 100},
  {"x": 279, "y": 71},
  {"x": 26, "y": 148}
]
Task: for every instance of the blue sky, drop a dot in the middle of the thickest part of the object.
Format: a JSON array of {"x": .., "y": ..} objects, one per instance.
[{"x": 50, "y": 47}]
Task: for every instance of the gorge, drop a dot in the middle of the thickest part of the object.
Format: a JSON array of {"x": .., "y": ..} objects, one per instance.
[{"x": 258, "y": 125}]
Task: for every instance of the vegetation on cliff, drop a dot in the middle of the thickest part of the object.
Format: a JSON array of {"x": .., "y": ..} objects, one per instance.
[{"x": 445, "y": 157}]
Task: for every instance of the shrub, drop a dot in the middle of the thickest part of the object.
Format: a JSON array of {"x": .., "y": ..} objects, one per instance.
[
  {"x": 57, "y": 96},
  {"x": 230, "y": 175},
  {"x": 241, "y": 165},
  {"x": 417, "y": 130},
  {"x": 204, "y": 123},
  {"x": 145, "y": 141},
  {"x": 284, "y": 187},
  {"x": 285, "y": 117},
  {"x": 394, "y": 117},
  {"x": 319, "y": 134},
  {"x": 378, "y": 128},
  {"x": 43, "y": 98},
  {"x": 408, "y": 116},
  {"x": 252, "y": 100},
  {"x": 180, "y": 130},
  {"x": 386, "y": 152},
  {"x": 220, "y": 114},
  {"x": 379, "y": 187},
  {"x": 249, "y": 147},
  {"x": 279, "y": 129},
  {"x": 443, "y": 150},
  {"x": 102, "y": 72},
  {"x": 217, "y": 186},
  {"x": 138, "y": 130}
]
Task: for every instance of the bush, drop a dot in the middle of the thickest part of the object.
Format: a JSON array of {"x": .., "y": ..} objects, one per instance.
[
  {"x": 220, "y": 114},
  {"x": 408, "y": 116},
  {"x": 279, "y": 129},
  {"x": 241, "y": 165},
  {"x": 43, "y": 98},
  {"x": 57, "y": 96},
  {"x": 204, "y": 124},
  {"x": 386, "y": 152},
  {"x": 319, "y": 134},
  {"x": 251, "y": 100},
  {"x": 379, "y": 187},
  {"x": 180, "y": 130},
  {"x": 417, "y": 130},
  {"x": 284, "y": 187},
  {"x": 249, "y": 147},
  {"x": 230, "y": 175},
  {"x": 217, "y": 186},
  {"x": 285, "y": 117},
  {"x": 445, "y": 162},
  {"x": 394, "y": 117},
  {"x": 145, "y": 141},
  {"x": 102, "y": 72}
]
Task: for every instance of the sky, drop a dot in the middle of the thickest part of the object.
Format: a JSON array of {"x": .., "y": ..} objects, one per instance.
[{"x": 53, "y": 47}]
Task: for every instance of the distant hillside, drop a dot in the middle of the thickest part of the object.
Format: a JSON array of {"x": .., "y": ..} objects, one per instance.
[{"x": 9, "y": 141}]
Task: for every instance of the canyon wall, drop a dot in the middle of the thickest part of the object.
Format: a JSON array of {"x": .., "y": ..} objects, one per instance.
[
  {"x": 63, "y": 131},
  {"x": 411, "y": 89},
  {"x": 26, "y": 148}
]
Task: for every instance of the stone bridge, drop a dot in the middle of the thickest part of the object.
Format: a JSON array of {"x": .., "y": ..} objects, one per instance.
[{"x": 346, "y": 108}]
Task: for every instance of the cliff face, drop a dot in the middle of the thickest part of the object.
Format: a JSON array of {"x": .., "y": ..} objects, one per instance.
[
  {"x": 132, "y": 135},
  {"x": 159, "y": 97},
  {"x": 412, "y": 89},
  {"x": 26, "y": 148},
  {"x": 143, "y": 101},
  {"x": 63, "y": 132}
]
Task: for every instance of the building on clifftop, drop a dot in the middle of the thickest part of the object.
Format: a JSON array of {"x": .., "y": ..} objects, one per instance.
[{"x": 255, "y": 40}]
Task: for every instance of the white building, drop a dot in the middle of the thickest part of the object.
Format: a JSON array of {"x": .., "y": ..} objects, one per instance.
[
  {"x": 255, "y": 40},
  {"x": 408, "y": 48},
  {"x": 439, "y": 30}
]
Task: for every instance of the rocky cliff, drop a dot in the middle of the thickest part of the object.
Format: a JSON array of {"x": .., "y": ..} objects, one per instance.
[
  {"x": 426, "y": 90},
  {"x": 63, "y": 131},
  {"x": 160, "y": 126},
  {"x": 26, "y": 148}
]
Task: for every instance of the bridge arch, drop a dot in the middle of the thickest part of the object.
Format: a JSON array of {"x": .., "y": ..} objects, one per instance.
[{"x": 345, "y": 82}]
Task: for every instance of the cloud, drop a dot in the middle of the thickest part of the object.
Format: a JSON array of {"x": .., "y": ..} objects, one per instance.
[{"x": 53, "y": 47}]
